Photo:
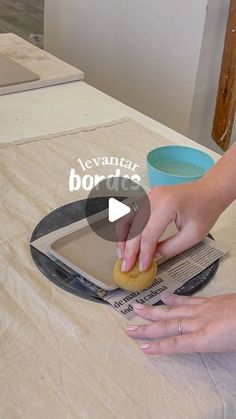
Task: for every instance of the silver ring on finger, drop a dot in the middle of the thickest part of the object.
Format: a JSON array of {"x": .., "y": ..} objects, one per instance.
[{"x": 180, "y": 330}]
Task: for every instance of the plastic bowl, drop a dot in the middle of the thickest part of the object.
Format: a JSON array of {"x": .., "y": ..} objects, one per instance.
[{"x": 171, "y": 165}]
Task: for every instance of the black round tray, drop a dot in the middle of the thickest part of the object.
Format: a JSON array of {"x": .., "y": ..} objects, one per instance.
[{"x": 72, "y": 213}]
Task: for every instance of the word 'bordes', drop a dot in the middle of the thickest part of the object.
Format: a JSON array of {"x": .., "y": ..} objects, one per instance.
[{"x": 88, "y": 182}]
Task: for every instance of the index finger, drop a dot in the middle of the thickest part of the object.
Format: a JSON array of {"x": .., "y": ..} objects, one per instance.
[
  {"x": 122, "y": 231},
  {"x": 155, "y": 228}
]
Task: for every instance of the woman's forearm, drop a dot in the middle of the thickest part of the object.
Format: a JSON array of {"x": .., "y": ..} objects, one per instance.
[{"x": 220, "y": 181}]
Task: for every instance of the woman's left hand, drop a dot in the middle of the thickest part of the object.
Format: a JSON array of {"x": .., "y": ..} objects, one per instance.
[{"x": 188, "y": 324}]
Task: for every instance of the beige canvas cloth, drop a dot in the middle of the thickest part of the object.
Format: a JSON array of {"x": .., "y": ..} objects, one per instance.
[{"x": 63, "y": 357}]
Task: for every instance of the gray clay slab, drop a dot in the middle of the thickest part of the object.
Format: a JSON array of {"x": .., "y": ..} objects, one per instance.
[
  {"x": 12, "y": 73},
  {"x": 90, "y": 253}
]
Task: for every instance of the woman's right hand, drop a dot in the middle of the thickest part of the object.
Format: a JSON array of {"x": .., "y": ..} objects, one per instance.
[{"x": 193, "y": 207}]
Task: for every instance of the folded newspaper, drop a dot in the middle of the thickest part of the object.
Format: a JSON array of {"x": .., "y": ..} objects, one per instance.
[{"x": 171, "y": 275}]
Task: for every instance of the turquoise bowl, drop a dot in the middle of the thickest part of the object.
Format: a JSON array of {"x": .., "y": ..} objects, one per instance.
[{"x": 171, "y": 165}]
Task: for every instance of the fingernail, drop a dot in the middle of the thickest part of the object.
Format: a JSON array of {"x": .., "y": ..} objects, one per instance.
[
  {"x": 165, "y": 294},
  {"x": 119, "y": 254},
  {"x": 123, "y": 266},
  {"x": 131, "y": 328},
  {"x": 145, "y": 346},
  {"x": 139, "y": 306},
  {"x": 140, "y": 266}
]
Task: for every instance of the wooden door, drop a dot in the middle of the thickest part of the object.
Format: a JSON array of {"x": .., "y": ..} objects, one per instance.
[{"x": 226, "y": 97}]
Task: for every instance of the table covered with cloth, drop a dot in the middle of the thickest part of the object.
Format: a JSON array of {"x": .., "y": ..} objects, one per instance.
[{"x": 62, "y": 357}]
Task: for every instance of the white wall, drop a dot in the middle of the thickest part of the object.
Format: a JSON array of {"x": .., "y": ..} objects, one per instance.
[
  {"x": 145, "y": 53},
  {"x": 161, "y": 57}
]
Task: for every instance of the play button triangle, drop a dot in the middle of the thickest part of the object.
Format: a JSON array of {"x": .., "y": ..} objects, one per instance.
[{"x": 117, "y": 210}]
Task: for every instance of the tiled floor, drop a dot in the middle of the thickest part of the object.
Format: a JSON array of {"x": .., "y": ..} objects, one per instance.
[{"x": 21, "y": 17}]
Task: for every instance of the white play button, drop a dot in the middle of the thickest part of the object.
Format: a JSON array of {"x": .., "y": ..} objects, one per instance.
[
  {"x": 114, "y": 199},
  {"x": 117, "y": 210}
]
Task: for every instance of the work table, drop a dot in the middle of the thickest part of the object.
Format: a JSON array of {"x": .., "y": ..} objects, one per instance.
[{"x": 63, "y": 357}]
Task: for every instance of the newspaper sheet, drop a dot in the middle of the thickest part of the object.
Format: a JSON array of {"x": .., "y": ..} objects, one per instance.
[{"x": 171, "y": 275}]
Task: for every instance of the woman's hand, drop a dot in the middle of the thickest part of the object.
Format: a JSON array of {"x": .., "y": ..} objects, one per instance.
[
  {"x": 194, "y": 208},
  {"x": 206, "y": 324}
]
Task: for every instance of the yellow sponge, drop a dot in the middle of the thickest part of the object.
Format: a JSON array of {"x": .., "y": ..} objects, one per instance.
[{"x": 134, "y": 280}]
